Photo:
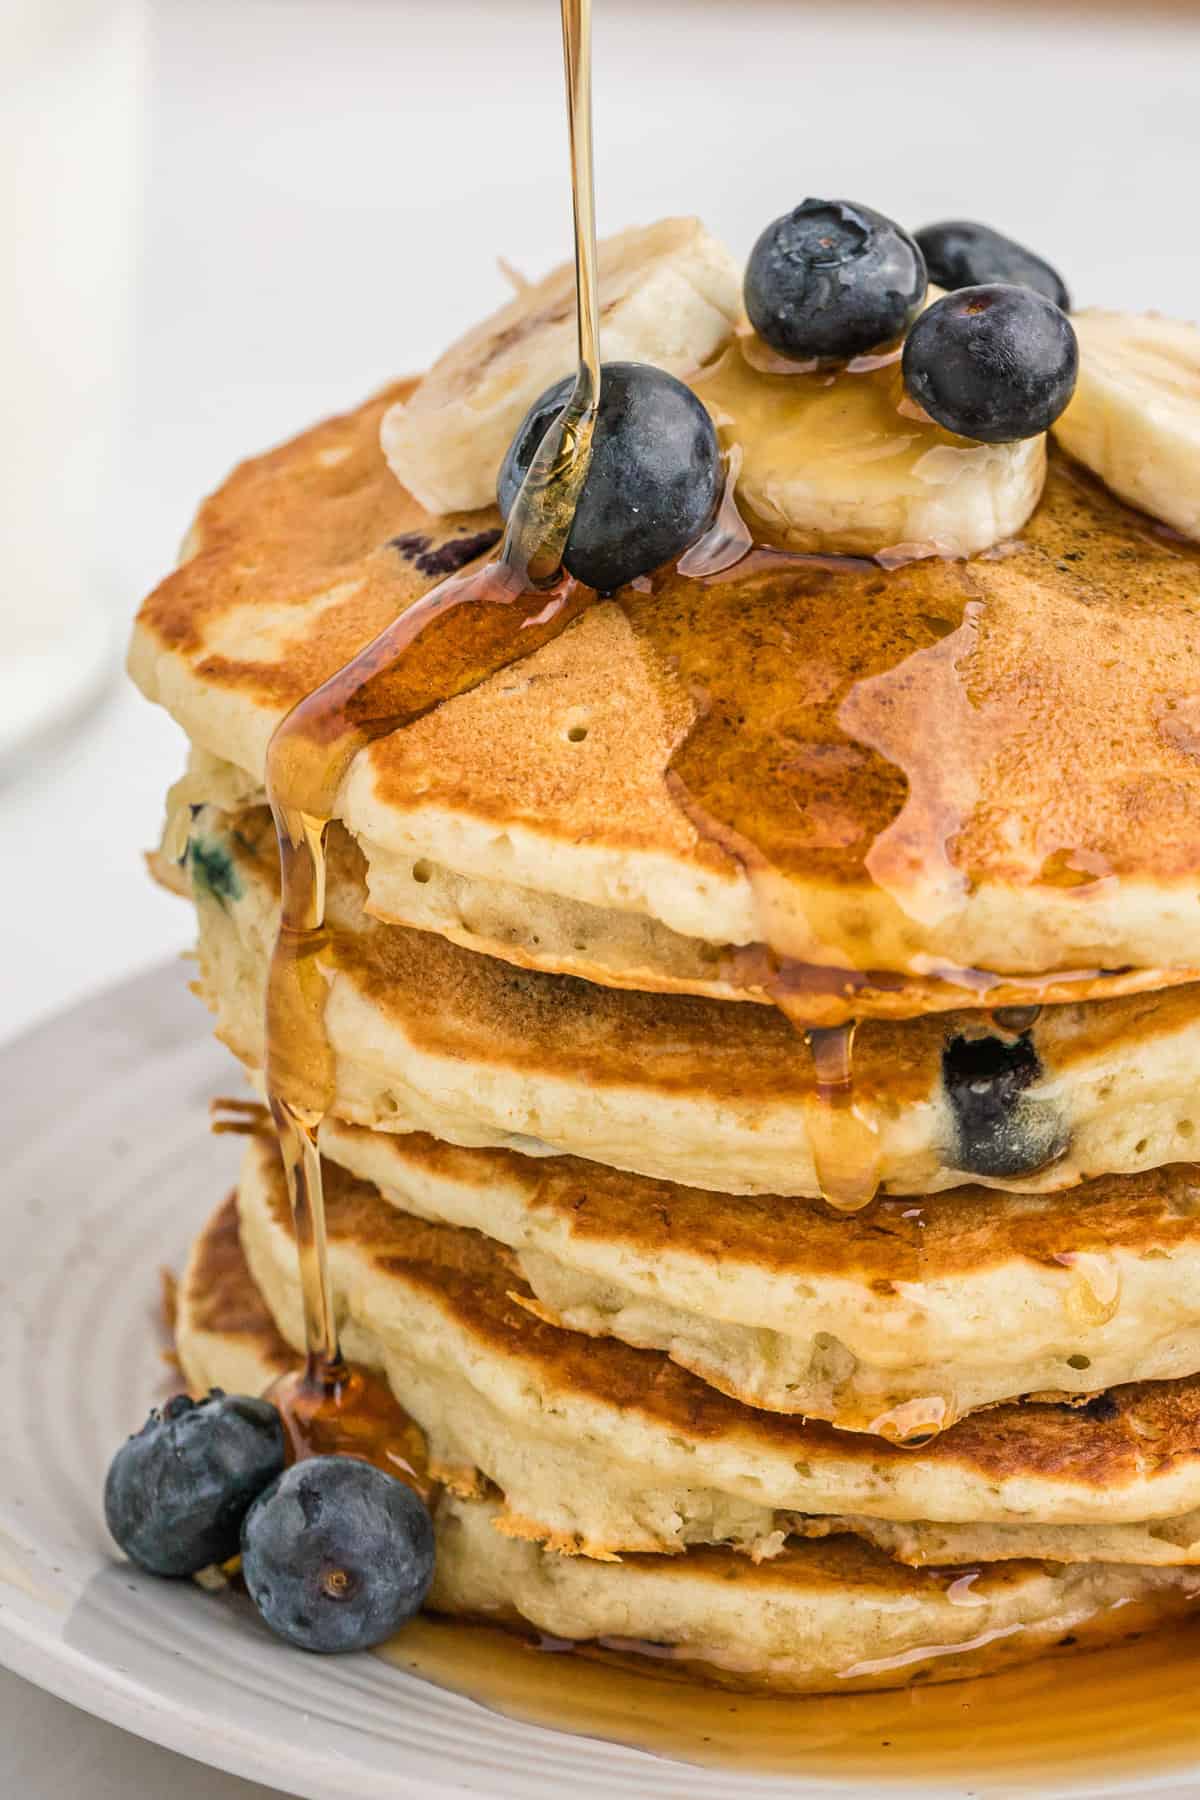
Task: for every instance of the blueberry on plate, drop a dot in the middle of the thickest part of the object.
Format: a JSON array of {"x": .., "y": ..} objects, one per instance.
[
  {"x": 832, "y": 279},
  {"x": 177, "y": 1493},
  {"x": 336, "y": 1555},
  {"x": 652, "y": 484},
  {"x": 992, "y": 363},
  {"x": 959, "y": 253}
]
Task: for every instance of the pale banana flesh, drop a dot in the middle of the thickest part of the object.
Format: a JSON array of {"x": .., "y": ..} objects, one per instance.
[
  {"x": 826, "y": 459},
  {"x": 843, "y": 461},
  {"x": 1134, "y": 420},
  {"x": 669, "y": 294}
]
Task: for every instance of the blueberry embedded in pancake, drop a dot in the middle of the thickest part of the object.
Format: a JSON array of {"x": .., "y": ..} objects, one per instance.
[
  {"x": 437, "y": 561},
  {"x": 432, "y": 1036},
  {"x": 211, "y": 868},
  {"x": 999, "y": 1129}
]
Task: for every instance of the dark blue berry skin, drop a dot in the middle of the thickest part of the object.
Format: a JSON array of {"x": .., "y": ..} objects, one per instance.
[
  {"x": 999, "y": 1130},
  {"x": 992, "y": 363},
  {"x": 652, "y": 484},
  {"x": 832, "y": 279},
  {"x": 959, "y": 253},
  {"x": 336, "y": 1555},
  {"x": 177, "y": 1493}
]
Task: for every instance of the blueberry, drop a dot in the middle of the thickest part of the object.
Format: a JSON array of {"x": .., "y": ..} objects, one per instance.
[
  {"x": 1102, "y": 1409},
  {"x": 443, "y": 559},
  {"x": 653, "y": 482},
  {"x": 177, "y": 1493},
  {"x": 213, "y": 872},
  {"x": 992, "y": 363},
  {"x": 998, "y": 1129},
  {"x": 959, "y": 253},
  {"x": 832, "y": 279},
  {"x": 336, "y": 1555}
]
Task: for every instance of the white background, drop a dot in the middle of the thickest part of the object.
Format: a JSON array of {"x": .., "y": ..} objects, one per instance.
[{"x": 326, "y": 187}]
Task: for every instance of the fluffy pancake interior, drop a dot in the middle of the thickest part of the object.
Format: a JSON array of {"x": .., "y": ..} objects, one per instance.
[
  {"x": 930, "y": 1309},
  {"x": 826, "y": 1616},
  {"x": 602, "y": 1448},
  {"x": 430, "y": 1036}
]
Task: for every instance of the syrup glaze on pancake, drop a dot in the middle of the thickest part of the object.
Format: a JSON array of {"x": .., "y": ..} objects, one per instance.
[
  {"x": 834, "y": 1614},
  {"x": 699, "y": 1091},
  {"x": 940, "y": 769},
  {"x": 601, "y": 1448}
]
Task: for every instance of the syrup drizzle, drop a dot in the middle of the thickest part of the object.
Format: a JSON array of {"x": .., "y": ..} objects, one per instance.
[
  {"x": 845, "y": 1142},
  {"x": 462, "y": 631}
]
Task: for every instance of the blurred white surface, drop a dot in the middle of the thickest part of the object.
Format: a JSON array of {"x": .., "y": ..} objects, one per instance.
[
  {"x": 327, "y": 185},
  {"x": 70, "y": 110}
]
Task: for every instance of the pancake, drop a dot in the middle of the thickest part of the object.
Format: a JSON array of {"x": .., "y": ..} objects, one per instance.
[
  {"x": 625, "y": 950},
  {"x": 600, "y": 1448},
  {"x": 898, "y": 1321},
  {"x": 920, "y": 1544},
  {"x": 980, "y": 767},
  {"x": 431, "y": 1037},
  {"x": 833, "y": 1615}
]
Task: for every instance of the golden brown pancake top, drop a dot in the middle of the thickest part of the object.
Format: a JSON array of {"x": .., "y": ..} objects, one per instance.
[{"x": 1025, "y": 718}]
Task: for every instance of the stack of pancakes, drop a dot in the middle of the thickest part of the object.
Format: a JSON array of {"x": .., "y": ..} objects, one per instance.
[{"x": 575, "y": 1159}]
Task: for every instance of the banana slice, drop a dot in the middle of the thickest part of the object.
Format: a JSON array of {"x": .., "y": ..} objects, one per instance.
[
  {"x": 1135, "y": 417},
  {"x": 841, "y": 460},
  {"x": 669, "y": 295}
]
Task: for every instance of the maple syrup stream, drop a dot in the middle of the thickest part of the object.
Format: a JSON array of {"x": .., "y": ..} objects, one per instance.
[
  {"x": 458, "y": 634},
  {"x": 435, "y": 649}
]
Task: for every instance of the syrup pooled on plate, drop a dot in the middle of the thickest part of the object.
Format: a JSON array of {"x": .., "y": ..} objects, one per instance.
[
  {"x": 465, "y": 629},
  {"x": 1123, "y": 1715}
]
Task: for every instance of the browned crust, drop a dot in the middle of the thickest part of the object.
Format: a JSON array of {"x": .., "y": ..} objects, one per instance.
[
  {"x": 564, "y": 1543},
  {"x": 903, "y": 1240},
  {"x": 454, "y": 1002},
  {"x": 1134, "y": 1433},
  {"x": 1072, "y": 672},
  {"x": 220, "y": 1295}
]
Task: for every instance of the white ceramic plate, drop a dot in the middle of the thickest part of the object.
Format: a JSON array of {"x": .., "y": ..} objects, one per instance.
[{"x": 108, "y": 1171}]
